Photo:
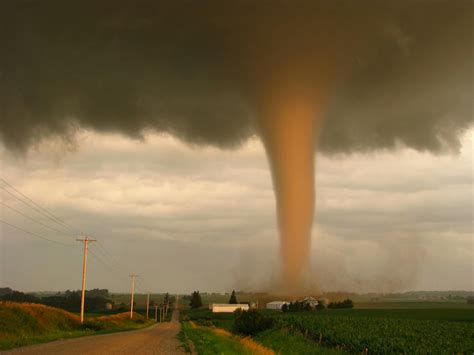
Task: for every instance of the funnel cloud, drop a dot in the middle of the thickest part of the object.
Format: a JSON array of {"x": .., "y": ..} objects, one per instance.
[{"x": 339, "y": 76}]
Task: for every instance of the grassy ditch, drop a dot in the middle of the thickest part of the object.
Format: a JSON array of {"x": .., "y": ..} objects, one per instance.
[
  {"x": 25, "y": 324},
  {"x": 210, "y": 341}
]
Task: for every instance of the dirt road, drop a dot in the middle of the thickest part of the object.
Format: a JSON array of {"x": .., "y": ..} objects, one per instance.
[{"x": 158, "y": 339}]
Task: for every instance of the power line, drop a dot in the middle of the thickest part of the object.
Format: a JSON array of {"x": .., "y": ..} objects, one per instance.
[
  {"x": 30, "y": 203},
  {"x": 31, "y": 206},
  {"x": 31, "y": 218},
  {"x": 38, "y": 208},
  {"x": 96, "y": 257},
  {"x": 37, "y": 235}
]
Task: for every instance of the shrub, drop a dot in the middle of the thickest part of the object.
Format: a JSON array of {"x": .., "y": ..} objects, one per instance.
[{"x": 251, "y": 322}]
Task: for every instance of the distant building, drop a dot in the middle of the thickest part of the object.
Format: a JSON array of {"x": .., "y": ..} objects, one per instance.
[
  {"x": 228, "y": 308},
  {"x": 109, "y": 306},
  {"x": 276, "y": 305}
]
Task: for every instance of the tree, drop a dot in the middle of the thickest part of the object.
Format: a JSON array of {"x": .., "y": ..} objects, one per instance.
[
  {"x": 196, "y": 301},
  {"x": 251, "y": 322},
  {"x": 344, "y": 304},
  {"x": 166, "y": 300},
  {"x": 320, "y": 307},
  {"x": 233, "y": 298}
]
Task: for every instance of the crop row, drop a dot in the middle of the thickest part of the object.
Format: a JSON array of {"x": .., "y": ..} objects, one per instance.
[{"x": 383, "y": 335}]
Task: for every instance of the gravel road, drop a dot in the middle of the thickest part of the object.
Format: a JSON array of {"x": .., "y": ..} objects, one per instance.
[{"x": 157, "y": 339}]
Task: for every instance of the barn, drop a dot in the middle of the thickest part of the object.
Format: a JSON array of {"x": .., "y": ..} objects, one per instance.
[{"x": 228, "y": 308}]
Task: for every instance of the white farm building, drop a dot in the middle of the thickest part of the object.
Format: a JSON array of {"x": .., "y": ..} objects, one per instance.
[
  {"x": 276, "y": 305},
  {"x": 228, "y": 308}
]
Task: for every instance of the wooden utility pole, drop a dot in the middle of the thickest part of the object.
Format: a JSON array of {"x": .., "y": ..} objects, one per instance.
[
  {"x": 156, "y": 313},
  {"x": 147, "y": 304},
  {"x": 86, "y": 242},
  {"x": 133, "y": 276}
]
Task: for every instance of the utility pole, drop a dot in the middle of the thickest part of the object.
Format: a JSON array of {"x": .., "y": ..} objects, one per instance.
[
  {"x": 86, "y": 242},
  {"x": 156, "y": 313},
  {"x": 147, "y": 304},
  {"x": 133, "y": 276}
]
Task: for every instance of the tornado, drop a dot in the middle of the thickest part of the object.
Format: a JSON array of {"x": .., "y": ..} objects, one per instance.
[
  {"x": 289, "y": 123},
  {"x": 218, "y": 73}
]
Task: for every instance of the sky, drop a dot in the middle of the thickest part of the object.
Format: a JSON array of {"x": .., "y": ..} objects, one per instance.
[
  {"x": 180, "y": 134},
  {"x": 186, "y": 217}
]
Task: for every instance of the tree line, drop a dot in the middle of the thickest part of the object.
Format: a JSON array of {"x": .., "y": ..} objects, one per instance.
[{"x": 95, "y": 300}]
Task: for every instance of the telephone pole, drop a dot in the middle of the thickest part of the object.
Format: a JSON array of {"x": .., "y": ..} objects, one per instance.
[
  {"x": 156, "y": 313},
  {"x": 86, "y": 242},
  {"x": 147, "y": 304},
  {"x": 133, "y": 276}
]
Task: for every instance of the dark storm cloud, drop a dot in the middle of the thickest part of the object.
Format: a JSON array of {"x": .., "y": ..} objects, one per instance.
[{"x": 393, "y": 71}]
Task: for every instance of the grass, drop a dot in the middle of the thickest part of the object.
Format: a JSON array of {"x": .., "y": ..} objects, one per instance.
[
  {"x": 205, "y": 317},
  {"x": 421, "y": 320},
  {"x": 207, "y": 342},
  {"x": 281, "y": 341},
  {"x": 184, "y": 340},
  {"x": 25, "y": 324}
]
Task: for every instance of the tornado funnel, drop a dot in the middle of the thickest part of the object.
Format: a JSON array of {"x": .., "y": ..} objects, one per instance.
[{"x": 289, "y": 128}]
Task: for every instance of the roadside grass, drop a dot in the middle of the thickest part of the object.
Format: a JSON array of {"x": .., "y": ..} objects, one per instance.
[
  {"x": 207, "y": 342},
  {"x": 182, "y": 337},
  {"x": 205, "y": 317},
  {"x": 26, "y": 324}
]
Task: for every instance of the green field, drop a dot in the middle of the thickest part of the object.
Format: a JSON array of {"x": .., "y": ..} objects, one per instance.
[
  {"x": 286, "y": 342},
  {"x": 455, "y": 315},
  {"x": 397, "y": 304},
  {"x": 394, "y": 329},
  {"x": 382, "y": 334}
]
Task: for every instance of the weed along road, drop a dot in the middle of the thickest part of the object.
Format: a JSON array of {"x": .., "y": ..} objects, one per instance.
[{"x": 157, "y": 339}]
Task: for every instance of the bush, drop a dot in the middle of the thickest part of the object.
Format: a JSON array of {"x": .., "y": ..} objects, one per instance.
[{"x": 251, "y": 322}]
